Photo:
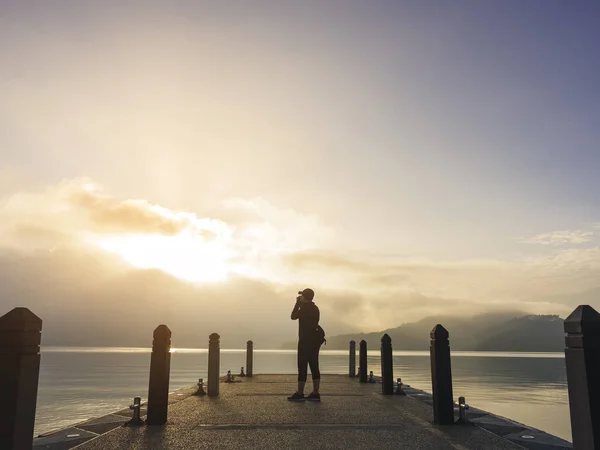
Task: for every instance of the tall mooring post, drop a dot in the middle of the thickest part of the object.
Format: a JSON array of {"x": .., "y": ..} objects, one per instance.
[
  {"x": 441, "y": 376},
  {"x": 352, "y": 361},
  {"x": 214, "y": 364},
  {"x": 249, "y": 358},
  {"x": 20, "y": 337},
  {"x": 362, "y": 361},
  {"x": 160, "y": 369},
  {"x": 582, "y": 357},
  {"x": 387, "y": 366}
]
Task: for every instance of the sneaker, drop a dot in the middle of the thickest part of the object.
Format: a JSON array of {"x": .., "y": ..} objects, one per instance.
[
  {"x": 314, "y": 397},
  {"x": 296, "y": 396}
]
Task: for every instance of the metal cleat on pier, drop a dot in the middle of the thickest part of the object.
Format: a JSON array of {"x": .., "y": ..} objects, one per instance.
[
  {"x": 399, "y": 390},
  {"x": 462, "y": 411},
  {"x": 200, "y": 390},
  {"x": 136, "y": 420}
]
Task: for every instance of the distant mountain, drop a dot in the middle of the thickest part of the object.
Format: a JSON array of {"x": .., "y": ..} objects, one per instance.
[
  {"x": 526, "y": 334},
  {"x": 485, "y": 332}
]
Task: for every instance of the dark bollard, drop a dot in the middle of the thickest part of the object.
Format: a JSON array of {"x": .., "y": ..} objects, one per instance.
[
  {"x": 362, "y": 361},
  {"x": 352, "y": 369},
  {"x": 242, "y": 374},
  {"x": 200, "y": 392},
  {"x": 582, "y": 357},
  {"x": 20, "y": 336},
  {"x": 399, "y": 390},
  {"x": 136, "y": 419},
  {"x": 214, "y": 363},
  {"x": 462, "y": 406},
  {"x": 371, "y": 377},
  {"x": 249, "y": 358},
  {"x": 160, "y": 369},
  {"x": 441, "y": 377},
  {"x": 387, "y": 369}
]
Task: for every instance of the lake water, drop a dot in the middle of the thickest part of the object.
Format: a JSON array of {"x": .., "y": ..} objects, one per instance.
[{"x": 81, "y": 383}]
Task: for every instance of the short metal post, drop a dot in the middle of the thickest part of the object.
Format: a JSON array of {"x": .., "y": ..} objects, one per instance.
[
  {"x": 160, "y": 368},
  {"x": 462, "y": 411},
  {"x": 582, "y": 357},
  {"x": 387, "y": 369},
  {"x": 249, "y": 358},
  {"x": 214, "y": 364},
  {"x": 20, "y": 337},
  {"x": 200, "y": 392},
  {"x": 136, "y": 420},
  {"x": 242, "y": 374},
  {"x": 229, "y": 378},
  {"x": 371, "y": 377},
  {"x": 399, "y": 390},
  {"x": 352, "y": 368},
  {"x": 441, "y": 376},
  {"x": 362, "y": 360}
]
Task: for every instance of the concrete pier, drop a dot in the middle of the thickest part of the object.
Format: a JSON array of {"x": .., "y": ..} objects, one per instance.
[{"x": 255, "y": 413}]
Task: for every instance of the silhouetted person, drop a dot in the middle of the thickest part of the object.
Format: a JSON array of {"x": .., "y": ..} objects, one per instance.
[{"x": 309, "y": 343}]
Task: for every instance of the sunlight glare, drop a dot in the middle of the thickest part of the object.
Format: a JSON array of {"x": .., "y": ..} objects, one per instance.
[{"x": 186, "y": 255}]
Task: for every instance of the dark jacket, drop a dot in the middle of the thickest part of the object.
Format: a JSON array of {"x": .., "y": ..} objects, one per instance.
[{"x": 308, "y": 316}]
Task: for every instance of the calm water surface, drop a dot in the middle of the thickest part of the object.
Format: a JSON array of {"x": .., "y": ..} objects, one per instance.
[{"x": 80, "y": 383}]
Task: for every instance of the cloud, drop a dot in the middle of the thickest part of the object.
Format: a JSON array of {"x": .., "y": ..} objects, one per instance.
[
  {"x": 272, "y": 252},
  {"x": 277, "y": 229},
  {"x": 406, "y": 289},
  {"x": 79, "y": 206},
  {"x": 136, "y": 216},
  {"x": 561, "y": 237},
  {"x": 87, "y": 297},
  {"x": 25, "y": 235},
  {"x": 248, "y": 237}
]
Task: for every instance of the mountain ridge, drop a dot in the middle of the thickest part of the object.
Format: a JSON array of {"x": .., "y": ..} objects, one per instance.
[{"x": 512, "y": 331}]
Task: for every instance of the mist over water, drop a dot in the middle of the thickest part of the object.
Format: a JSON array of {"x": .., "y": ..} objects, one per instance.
[{"x": 81, "y": 383}]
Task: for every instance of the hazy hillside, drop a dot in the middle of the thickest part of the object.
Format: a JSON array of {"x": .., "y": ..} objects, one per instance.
[
  {"x": 486, "y": 332},
  {"x": 526, "y": 334}
]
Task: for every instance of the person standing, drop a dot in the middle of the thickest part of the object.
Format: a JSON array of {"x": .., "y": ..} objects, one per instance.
[{"x": 309, "y": 343}]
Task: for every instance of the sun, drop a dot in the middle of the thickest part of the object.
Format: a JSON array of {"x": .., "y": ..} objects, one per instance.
[{"x": 186, "y": 256}]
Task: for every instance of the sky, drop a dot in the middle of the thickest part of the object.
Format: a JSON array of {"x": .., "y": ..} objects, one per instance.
[{"x": 404, "y": 159}]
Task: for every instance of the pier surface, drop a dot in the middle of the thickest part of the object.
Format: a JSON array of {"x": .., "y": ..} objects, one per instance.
[{"x": 255, "y": 413}]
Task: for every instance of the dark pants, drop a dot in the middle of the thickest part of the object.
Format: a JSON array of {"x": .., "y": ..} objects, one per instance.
[{"x": 308, "y": 355}]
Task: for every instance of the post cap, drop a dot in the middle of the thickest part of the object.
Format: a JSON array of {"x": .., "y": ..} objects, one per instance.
[
  {"x": 249, "y": 343},
  {"x": 584, "y": 320},
  {"x": 214, "y": 337},
  {"x": 352, "y": 342},
  {"x": 363, "y": 342},
  {"x": 439, "y": 332},
  {"x": 20, "y": 319},
  {"x": 162, "y": 333},
  {"x": 386, "y": 339}
]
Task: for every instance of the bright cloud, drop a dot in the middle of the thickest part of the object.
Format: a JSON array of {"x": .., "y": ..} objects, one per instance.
[
  {"x": 561, "y": 237},
  {"x": 152, "y": 236},
  {"x": 286, "y": 249}
]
